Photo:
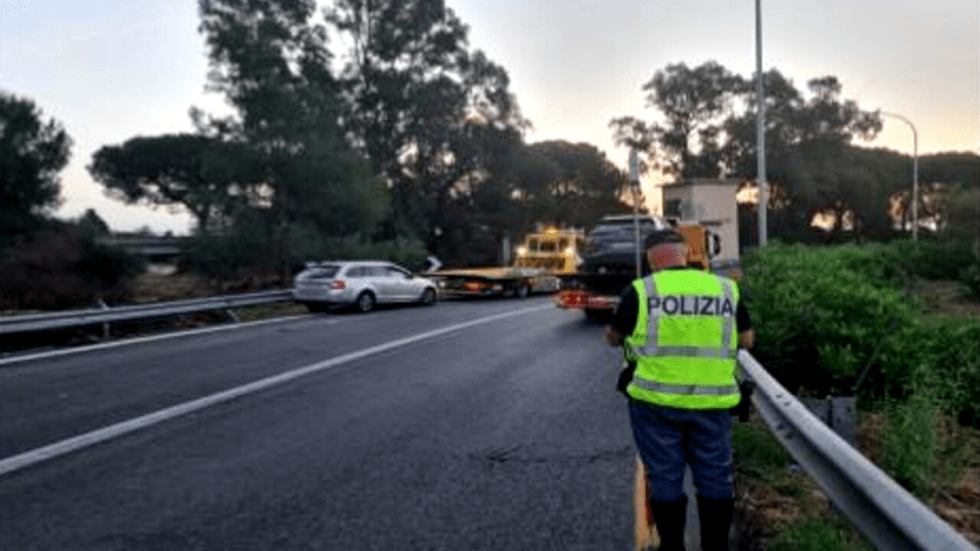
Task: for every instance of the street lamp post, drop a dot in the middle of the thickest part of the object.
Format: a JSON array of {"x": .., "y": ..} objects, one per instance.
[
  {"x": 915, "y": 173},
  {"x": 760, "y": 128},
  {"x": 635, "y": 188}
]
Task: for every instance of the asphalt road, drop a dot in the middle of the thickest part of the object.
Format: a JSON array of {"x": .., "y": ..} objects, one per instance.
[{"x": 407, "y": 430}]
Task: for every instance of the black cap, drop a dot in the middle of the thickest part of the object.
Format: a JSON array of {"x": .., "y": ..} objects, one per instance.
[{"x": 661, "y": 237}]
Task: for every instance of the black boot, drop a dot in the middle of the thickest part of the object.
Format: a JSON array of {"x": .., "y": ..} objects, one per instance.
[
  {"x": 716, "y": 520},
  {"x": 670, "y": 518}
]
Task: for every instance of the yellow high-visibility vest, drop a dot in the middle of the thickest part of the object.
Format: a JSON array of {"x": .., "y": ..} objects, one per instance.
[{"x": 685, "y": 340}]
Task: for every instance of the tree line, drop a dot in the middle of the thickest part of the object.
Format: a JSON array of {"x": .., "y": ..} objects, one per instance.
[
  {"x": 375, "y": 128},
  {"x": 705, "y": 126},
  {"x": 407, "y": 135}
]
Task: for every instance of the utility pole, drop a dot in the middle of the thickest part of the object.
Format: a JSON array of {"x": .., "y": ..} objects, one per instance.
[{"x": 760, "y": 128}]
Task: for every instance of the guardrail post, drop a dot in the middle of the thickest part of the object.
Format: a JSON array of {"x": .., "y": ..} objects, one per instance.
[
  {"x": 231, "y": 314},
  {"x": 838, "y": 413},
  {"x": 843, "y": 418},
  {"x": 106, "y": 330}
]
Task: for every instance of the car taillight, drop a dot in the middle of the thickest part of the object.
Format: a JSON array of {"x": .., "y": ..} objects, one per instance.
[{"x": 338, "y": 284}]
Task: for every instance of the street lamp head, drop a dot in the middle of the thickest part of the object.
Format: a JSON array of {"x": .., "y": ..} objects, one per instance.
[{"x": 915, "y": 172}]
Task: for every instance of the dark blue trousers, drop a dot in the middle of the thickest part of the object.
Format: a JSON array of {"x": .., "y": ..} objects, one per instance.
[{"x": 669, "y": 439}]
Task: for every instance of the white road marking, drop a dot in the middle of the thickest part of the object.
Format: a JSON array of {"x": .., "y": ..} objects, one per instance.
[
  {"x": 151, "y": 338},
  {"x": 75, "y": 443}
]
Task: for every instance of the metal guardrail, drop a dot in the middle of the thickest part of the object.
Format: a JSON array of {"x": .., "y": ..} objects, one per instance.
[
  {"x": 74, "y": 318},
  {"x": 888, "y": 515}
]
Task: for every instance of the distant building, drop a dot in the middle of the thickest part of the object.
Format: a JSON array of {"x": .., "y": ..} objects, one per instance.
[{"x": 709, "y": 202}]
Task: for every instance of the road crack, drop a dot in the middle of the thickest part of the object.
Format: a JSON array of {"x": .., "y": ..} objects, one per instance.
[{"x": 523, "y": 455}]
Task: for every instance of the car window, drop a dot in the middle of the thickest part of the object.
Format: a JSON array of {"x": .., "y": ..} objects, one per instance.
[
  {"x": 398, "y": 273},
  {"x": 324, "y": 271},
  {"x": 357, "y": 271}
]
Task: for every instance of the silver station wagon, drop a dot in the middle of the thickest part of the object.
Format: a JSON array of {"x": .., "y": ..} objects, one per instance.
[{"x": 361, "y": 284}]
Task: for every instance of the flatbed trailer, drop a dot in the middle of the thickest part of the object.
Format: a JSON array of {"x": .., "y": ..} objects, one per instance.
[
  {"x": 495, "y": 282},
  {"x": 541, "y": 259}
]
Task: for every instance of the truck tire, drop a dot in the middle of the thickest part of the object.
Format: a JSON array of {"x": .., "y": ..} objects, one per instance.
[
  {"x": 523, "y": 290},
  {"x": 597, "y": 315}
]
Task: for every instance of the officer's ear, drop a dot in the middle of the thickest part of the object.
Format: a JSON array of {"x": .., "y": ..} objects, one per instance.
[{"x": 649, "y": 262}]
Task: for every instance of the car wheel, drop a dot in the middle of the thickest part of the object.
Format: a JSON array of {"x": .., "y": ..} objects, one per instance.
[
  {"x": 523, "y": 291},
  {"x": 365, "y": 302},
  {"x": 429, "y": 296}
]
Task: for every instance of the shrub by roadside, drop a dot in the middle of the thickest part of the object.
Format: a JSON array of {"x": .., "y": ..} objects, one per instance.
[
  {"x": 820, "y": 322},
  {"x": 832, "y": 318},
  {"x": 63, "y": 268},
  {"x": 840, "y": 320}
]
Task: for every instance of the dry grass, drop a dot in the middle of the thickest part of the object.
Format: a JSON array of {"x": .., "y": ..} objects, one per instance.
[
  {"x": 153, "y": 287},
  {"x": 945, "y": 298}
]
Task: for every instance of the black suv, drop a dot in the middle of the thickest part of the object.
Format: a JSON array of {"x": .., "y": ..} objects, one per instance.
[{"x": 611, "y": 246}]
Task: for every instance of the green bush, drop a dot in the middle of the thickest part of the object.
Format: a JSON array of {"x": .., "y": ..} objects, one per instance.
[
  {"x": 107, "y": 266},
  {"x": 944, "y": 353},
  {"x": 970, "y": 278},
  {"x": 934, "y": 259},
  {"x": 908, "y": 444},
  {"x": 229, "y": 256},
  {"x": 823, "y": 315},
  {"x": 919, "y": 448},
  {"x": 828, "y": 318}
]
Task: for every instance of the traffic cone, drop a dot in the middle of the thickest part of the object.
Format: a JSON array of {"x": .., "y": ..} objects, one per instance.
[{"x": 645, "y": 528}]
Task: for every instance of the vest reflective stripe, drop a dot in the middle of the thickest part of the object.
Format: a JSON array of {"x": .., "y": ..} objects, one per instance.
[
  {"x": 685, "y": 341},
  {"x": 686, "y": 352},
  {"x": 728, "y": 329},
  {"x": 686, "y": 389}
]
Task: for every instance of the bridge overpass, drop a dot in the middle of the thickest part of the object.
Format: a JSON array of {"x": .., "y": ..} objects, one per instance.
[{"x": 154, "y": 248}]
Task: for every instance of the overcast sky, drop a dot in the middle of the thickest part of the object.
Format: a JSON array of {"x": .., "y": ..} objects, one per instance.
[{"x": 110, "y": 70}]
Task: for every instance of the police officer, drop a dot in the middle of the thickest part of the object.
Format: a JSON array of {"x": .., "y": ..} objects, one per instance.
[{"x": 680, "y": 328}]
